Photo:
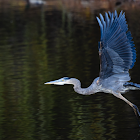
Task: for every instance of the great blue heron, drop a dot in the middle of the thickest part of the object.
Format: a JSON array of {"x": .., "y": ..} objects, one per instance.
[{"x": 117, "y": 55}]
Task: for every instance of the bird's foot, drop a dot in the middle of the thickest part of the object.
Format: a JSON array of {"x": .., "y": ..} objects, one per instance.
[{"x": 136, "y": 108}]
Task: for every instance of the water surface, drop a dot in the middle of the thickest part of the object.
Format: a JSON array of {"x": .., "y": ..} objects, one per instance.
[{"x": 43, "y": 43}]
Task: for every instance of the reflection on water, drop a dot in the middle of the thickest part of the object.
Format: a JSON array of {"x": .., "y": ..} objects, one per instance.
[{"x": 39, "y": 44}]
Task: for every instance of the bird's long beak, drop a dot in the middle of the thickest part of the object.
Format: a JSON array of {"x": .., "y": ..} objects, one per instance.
[
  {"x": 51, "y": 82},
  {"x": 56, "y": 82},
  {"x": 48, "y": 83}
]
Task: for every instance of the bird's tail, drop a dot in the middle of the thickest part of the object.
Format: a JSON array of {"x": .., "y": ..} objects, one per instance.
[{"x": 132, "y": 86}]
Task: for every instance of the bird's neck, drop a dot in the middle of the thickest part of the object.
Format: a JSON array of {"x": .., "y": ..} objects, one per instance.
[
  {"x": 84, "y": 91},
  {"x": 77, "y": 87}
]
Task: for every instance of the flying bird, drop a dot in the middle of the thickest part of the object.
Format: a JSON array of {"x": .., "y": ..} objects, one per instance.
[{"x": 117, "y": 55}]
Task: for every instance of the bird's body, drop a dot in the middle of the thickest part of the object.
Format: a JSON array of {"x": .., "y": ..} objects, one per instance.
[
  {"x": 106, "y": 86},
  {"x": 117, "y": 55}
]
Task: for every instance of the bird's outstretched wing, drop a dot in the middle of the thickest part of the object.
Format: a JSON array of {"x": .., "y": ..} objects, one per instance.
[{"x": 116, "y": 50}]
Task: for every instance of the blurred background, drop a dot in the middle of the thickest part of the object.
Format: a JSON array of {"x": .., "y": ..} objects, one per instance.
[{"x": 46, "y": 40}]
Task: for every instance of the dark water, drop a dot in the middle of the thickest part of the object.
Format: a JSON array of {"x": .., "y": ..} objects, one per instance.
[{"x": 43, "y": 43}]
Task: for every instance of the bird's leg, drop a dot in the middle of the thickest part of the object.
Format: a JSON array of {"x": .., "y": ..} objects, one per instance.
[{"x": 135, "y": 108}]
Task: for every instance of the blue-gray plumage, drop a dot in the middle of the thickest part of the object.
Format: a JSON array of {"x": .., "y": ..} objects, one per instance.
[{"x": 117, "y": 55}]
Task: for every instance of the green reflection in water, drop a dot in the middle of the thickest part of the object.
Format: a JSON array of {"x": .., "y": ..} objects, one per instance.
[
  {"x": 24, "y": 112},
  {"x": 1, "y": 103}
]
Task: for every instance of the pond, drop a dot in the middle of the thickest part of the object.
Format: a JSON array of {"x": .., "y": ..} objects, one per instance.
[{"x": 40, "y": 43}]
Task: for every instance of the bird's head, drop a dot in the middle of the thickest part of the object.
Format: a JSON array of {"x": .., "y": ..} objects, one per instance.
[{"x": 62, "y": 81}]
